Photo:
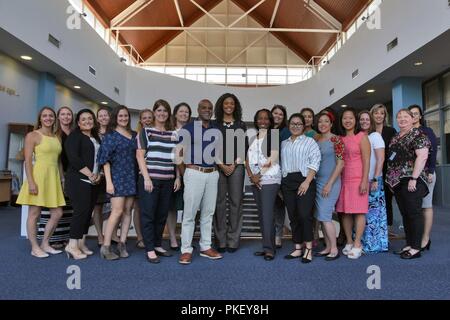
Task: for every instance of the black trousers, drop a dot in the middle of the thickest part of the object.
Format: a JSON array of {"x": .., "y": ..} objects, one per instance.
[
  {"x": 265, "y": 200},
  {"x": 227, "y": 230},
  {"x": 389, "y": 212},
  {"x": 410, "y": 205},
  {"x": 83, "y": 197},
  {"x": 300, "y": 208},
  {"x": 154, "y": 207}
]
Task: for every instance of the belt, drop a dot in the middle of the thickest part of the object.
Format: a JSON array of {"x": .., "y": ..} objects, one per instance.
[{"x": 201, "y": 169}]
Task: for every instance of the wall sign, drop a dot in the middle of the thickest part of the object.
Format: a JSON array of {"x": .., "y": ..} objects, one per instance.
[{"x": 8, "y": 91}]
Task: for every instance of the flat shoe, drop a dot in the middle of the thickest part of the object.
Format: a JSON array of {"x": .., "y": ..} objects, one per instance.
[
  {"x": 320, "y": 254},
  {"x": 259, "y": 253},
  {"x": 163, "y": 254},
  {"x": 331, "y": 258},
  {"x": 177, "y": 248},
  {"x": 52, "y": 251},
  {"x": 153, "y": 260},
  {"x": 42, "y": 255},
  {"x": 269, "y": 257}
]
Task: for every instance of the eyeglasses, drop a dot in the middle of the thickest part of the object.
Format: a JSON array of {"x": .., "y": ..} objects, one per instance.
[{"x": 296, "y": 125}]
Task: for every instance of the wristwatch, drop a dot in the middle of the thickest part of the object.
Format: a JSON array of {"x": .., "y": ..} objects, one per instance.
[
  {"x": 374, "y": 179},
  {"x": 412, "y": 178}
]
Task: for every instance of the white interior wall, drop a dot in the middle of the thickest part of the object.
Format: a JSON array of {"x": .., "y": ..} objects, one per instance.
[
  {"x": 32, "y": 21},
  {"x": 67, "y": 97},
  {"x": 413, "y": 22},
  {"x": 17, "y": 109}
]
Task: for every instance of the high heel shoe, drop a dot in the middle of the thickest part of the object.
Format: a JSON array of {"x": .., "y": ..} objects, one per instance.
[
  {"x": 73, "y": 254},
  {"x": 307, "y": 252},
  {"x": 86, "y": 251},
  {"x": 427, "y": 247}
]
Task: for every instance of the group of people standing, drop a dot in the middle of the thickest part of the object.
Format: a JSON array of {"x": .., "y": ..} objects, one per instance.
[{"x": 349, "y": 165}]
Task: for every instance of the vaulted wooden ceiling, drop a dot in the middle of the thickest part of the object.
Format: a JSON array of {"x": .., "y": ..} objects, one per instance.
[{"x": 280, "y": 17}]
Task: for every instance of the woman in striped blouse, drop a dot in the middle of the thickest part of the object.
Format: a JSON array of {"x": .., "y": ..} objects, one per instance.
[
  {"x": 300, "y": 161},
  {"x": 158, "y": 178}
]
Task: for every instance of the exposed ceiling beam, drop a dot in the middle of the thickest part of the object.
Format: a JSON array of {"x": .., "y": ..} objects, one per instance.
[
  {"x": 322, "y": 14},
  {"x": 274, "y": 14},
  {"x": 180, "y": 16},
  {"x": 247, "y": 47},
  {"x": 246, "y": 13},
  {"x": 130, "y": 12},
  {"x": 253, "y": 29},
  {"x": 205, "y": 47},
  {"x": 207, "y": 13}
]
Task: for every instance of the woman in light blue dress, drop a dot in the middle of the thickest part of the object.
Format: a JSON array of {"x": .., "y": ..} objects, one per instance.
[{"x": 328, "y": 181}]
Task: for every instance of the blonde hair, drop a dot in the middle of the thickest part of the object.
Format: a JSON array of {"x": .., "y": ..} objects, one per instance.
[
  {"x": 58, "y": 123},
  {"x": 377, "y": 107},
  {"x": 141, "y": 113}
]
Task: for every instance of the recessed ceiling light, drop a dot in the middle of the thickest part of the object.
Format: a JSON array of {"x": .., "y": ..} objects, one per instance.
[
  {"x": 370, "y": 90},
  {"x": 104, "y": 102},
  {"x": 343, "y": 105},
  {"x": 418, "y": 63},
  {"x": 27, "y": 58},
  {"x": 77, "y": 87}
]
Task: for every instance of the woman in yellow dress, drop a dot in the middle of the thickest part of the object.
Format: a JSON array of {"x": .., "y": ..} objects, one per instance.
[{"x": 43, "y": 187}]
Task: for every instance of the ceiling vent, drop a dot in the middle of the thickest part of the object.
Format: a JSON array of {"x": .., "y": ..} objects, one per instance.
[
  {"x": 331, "y": 92},
  {"x": 92, "y": 70},
  {"x": 355, "y": 73},
  {"x": 116, "y": 90},
  {"x": 54, "y": 41},
  {"x": 391, "y": 45}
]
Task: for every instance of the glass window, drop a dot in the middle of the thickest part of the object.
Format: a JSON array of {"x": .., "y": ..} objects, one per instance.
[
  {"x": 351, "y": 30},
  {"x": 447, "y": 133},
  {"x": 446, "y": 86},
  {"x": 100, "y": 29},
  {"x": 90, "y": 18},
  {"x": 215, "y": 75},
  {"x": 432, "y": 121},
  {"x": 236, "y": 75},
  {"x": 432, "y": 95}
]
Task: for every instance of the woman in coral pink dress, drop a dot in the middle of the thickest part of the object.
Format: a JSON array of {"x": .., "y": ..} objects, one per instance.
[{"x": 353, "y": 202}]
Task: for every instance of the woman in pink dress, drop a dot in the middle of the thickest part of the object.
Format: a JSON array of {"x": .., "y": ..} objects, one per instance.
[{"x": 353, "y": 202}]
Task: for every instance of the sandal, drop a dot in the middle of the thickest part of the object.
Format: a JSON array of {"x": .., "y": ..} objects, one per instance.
[
  {"x": 355, "y": 253},
  {"x": 347, "y": 249},
  {"x": 140, "y": 244}
]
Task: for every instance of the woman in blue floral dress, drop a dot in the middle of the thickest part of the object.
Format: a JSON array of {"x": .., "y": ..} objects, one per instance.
[
  {"x": 117, "y": 154},
  {"x": 375, "y": 237}
]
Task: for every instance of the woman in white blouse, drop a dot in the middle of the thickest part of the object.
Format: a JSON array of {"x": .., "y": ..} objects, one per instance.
[
  {"x": 300, "y": 161},
  {"x": 265, "y": 174}
]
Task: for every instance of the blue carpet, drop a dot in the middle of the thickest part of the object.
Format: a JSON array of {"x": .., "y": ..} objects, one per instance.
[{"x": 238, "y": 275}]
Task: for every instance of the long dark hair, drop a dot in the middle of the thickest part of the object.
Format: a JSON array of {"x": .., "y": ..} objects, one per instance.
[
  {"x": 355, "y": 114},
  {"x": 283, "y": 123},
  {"x": 113, "y": 121},
  {"x": 267, "y": 142},
  {"x": 94, "y": 130},
  {"x": 422, "y": 120},
  {"x": 218, "y": 109},
  {"x": 175, "y": 110}
]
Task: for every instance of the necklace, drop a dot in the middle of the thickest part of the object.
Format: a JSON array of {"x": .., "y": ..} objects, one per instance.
[{"x": 228, "y": 124}]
